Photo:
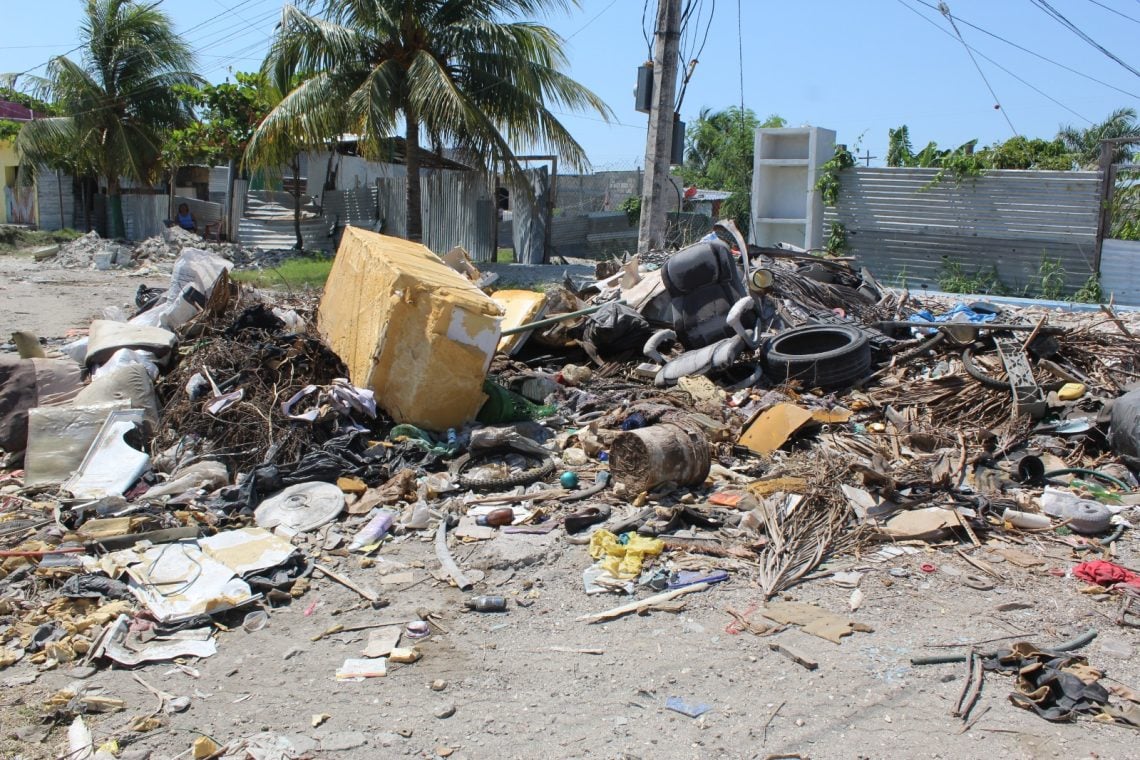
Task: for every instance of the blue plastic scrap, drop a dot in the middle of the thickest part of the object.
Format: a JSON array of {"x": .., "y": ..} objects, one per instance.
[
  {"x": 690, "y": 577},
  {"x": 696, "y": 710},
  {"x": 950, "y": 316},
  {"x": 960, "y": 313}
]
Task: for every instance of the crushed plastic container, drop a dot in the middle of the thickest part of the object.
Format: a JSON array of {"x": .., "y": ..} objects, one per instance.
[{"x": 409, "y": 327}]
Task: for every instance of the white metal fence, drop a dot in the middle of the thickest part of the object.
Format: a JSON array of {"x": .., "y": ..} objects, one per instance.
[{"x": 903, "y": 224}]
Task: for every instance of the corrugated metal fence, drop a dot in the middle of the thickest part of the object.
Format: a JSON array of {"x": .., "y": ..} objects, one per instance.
[
  {"x": 531, "y": 217},
  {"x": 456, "y": 209},
  {"x": 900, "y": 224},
  {"x": 55, "y": 201},
  {"x": 1120, "y": 271}
]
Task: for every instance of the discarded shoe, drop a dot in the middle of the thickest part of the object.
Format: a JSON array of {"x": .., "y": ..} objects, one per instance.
[{"x": 584, "y": 518}]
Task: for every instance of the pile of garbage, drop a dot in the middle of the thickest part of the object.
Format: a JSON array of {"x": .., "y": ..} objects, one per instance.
[
  {"x": 724, "y": 414},
  {"x": 90, "y": 251}
]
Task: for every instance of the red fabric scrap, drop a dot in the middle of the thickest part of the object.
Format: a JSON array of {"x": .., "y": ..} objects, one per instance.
[{"x": 1104, "y": 573}]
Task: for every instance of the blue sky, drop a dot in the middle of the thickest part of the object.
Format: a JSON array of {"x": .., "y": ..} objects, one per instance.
[{"x": 858, "y": 67}]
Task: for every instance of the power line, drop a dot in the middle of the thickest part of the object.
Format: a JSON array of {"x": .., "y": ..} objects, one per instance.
[
  {"x": 1133, "y": 19},
  {"x": 944, "y": 9},
  {"x": 740, "y": 58},
  {"x": 998, "y": 65},
  {"x": 1023, "y": 49},
  {"x": 595, "y": 18},
  {"x": 1052, "y": 12}
]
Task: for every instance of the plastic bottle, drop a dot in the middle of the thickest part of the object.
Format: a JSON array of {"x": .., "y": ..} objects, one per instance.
[
  {"x": 373, "y": 530},
  {"x": 496, "y": 517},
  {"x": 1026, "y": 519},
  {"x": 487, "y": 604}
]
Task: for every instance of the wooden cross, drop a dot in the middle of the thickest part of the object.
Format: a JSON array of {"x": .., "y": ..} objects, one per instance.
[{"x": 867, "y": 158}]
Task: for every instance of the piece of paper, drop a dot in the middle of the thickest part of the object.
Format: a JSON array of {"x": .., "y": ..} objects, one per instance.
[
  {"x": 359, "y": 668},
  {"x": 382, "y": 641},
  {"x": 181, "y": 580}
]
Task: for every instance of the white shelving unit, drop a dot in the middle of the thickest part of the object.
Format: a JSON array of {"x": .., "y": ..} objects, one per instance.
[{"x": 786, "y": 207}]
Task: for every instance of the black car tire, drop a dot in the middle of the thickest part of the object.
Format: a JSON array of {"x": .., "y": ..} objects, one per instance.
[{"x": 818, "y": 356}]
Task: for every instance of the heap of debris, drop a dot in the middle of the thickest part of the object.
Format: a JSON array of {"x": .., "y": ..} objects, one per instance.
[
  {"x": 91, "y": 251},
  {"x": 724, "y": 414}
]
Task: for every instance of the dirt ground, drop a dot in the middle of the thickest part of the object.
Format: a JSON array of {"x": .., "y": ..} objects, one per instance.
[
  {"x": 518, "y": 687},
  {"x": 522, "y": 683},
  {"x": 49, "y": 302}
]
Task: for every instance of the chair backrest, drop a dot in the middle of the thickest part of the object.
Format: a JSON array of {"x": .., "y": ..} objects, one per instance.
[{"x": 703, "y": 283}]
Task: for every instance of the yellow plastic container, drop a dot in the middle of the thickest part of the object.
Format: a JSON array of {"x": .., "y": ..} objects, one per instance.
[
  {"x": 1071, "y": 391},
  {"x": 409, "y": 327}
]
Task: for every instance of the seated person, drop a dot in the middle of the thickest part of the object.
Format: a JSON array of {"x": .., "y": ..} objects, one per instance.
[{"x": 185, "y": 219}]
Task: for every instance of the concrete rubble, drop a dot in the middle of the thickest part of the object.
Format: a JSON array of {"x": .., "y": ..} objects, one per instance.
[{"x": 721, "y": 422}]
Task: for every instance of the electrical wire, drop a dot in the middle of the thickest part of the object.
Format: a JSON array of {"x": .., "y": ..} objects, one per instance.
[
  {"x": 944, "y": 9},
  {"x": 645, "y": 30},
  {"x": 597, "y": 16},
  {"x": 1024, "y": 49},
  {"x": 688, "y": 61},
  {"x": 740, "y": 59},
  {"x": 1052, "y": 12},
  {"x": 1133, "y": 19},
  {"x": 998, "y": 65},
  {"x": 210, "y": 40}
]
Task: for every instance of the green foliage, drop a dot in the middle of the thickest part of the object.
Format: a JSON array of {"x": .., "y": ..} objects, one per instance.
[
  {"x": 836, "y": 242},
  {"x": 17, "y": 238},
  {"x": 901, "y": 278},
  {"x": 952, "y": 278},
  {"x": 1024, "y": 153},
  {"x": 719, "y": 147},
  {"x": 1084, "y": 143},
  {"x": 828, "y": 182},
  {"x": 1049, "y": 282},
  {"x": 228, "y": 114},
  {"x": 959, "y": 163},
  {"x": 1090, "y": 292},
  {"x": 9, "y": 129},
  {"x": 738, "y": 207},
  {"x": 117, "y": 103},
  {"x": 298, "y": 272},
  {"x": 899, "y": 150},
  {"x": 479, "y": 76},
  {"x": 1051, "y": 276},
  {"x": 1125, "y": 211},
  {"x": 966, "y": 161},
  {"x": 38, "y": 105},
  {"x": 632, "y": 208}
]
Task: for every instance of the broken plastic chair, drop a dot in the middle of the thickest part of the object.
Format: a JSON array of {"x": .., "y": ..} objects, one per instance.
[{"x": 712, "y": 359}]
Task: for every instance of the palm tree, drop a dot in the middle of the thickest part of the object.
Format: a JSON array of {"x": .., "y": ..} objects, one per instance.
[
  {"x": 284, "y": 150},
  {"x": 467, "y": 73},
  {"x": 118, "y": 100},
  {"x": 1085, "y": 143}
]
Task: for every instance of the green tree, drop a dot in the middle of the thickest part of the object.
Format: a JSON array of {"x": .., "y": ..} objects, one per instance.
[
  {"x": 1028, "y": 153},
  {"x": 900, "y": 152},
  {"x": 278, "y": 78},
  {"x": 719, "y": 147},
  {"x": 118, "y": 101},
  {"x": 228, "y": 114},
  {"x": 463, "y": 73},
  {"x": 1084, "y": 142},
  {"x": 9, "y": 128}
]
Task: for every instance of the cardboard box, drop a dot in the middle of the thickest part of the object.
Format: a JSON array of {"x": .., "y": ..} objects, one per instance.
[{"x": 409, "y": 327}]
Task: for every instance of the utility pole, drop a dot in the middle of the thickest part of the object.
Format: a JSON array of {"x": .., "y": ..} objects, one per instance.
[{"x": 659, "y": 142}]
